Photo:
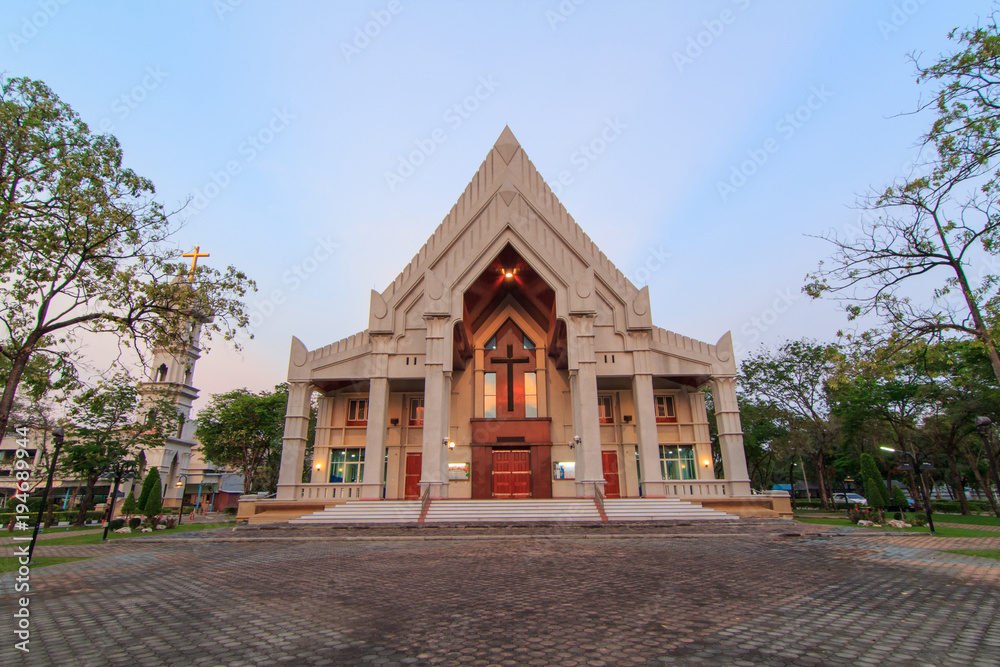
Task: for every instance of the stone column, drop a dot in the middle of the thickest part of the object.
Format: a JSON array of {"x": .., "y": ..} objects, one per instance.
[
  {"x": 378, "y": 415},
  {"x": 293, "y": 445},
  {"x": 647, "y": 436},
  {"x": 589, "y": 470},
  {"x": 727, "y": 416},
  {"x": 434, "y": 459}
]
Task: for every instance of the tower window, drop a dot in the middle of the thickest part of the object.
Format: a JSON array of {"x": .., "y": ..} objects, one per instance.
[{"x": 161, "y": 373}]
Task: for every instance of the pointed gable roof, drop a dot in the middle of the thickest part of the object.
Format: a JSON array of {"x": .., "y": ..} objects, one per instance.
[{"x": 506, "y": 174}]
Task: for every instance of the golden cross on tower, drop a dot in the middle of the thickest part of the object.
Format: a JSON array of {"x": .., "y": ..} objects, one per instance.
[{"x": 194, "y": 259}]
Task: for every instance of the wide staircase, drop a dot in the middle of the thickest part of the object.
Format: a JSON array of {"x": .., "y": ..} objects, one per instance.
[{"x": 513, "y": 511}]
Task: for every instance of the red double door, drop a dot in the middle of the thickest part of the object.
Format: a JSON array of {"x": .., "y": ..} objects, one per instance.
[
  {"x": 611, "y": 487},
  {"x": 411, "y": 479},
  {"x": 511, "y": 473}
]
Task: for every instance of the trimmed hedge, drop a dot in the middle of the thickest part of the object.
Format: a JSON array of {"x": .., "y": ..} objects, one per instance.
[{"x": 5, "y": 517}]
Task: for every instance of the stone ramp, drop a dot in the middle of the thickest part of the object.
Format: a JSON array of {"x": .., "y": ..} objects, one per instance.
[{"x": 554, "y": 510}]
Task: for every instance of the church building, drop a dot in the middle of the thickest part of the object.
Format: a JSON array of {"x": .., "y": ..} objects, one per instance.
[{"x": 511, "y": 359}]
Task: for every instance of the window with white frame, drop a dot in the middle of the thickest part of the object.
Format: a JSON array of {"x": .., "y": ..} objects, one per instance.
[
  {"x": 677, "y": 462},
  {"x": 665, "y": 409},
  {"x": 605, "y": 411},
  {"x": 357, "y": 412},
  {"x": 490, "y": 395},
  {"x": 417, "y": 411},
  {"x": 530, "y": 395},
  {"x": 347, "y": 466}
]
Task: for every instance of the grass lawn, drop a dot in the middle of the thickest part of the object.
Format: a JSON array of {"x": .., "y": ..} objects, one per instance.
[
  {"x": 943, "y": 532},
  {"x": 12, "y": 564},
  {"x": 982, "y": 553},
  {"x": 972, "y": 519},
  {"x": 96, "y": 537}
]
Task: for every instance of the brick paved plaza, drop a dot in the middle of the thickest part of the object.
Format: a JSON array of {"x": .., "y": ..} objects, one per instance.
[{"x": 746, "y": 594}]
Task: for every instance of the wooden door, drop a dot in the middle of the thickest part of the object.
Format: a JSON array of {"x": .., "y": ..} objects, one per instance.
[
  {"x": 511, "y": 473},
  {"x": 610, "y": 464},
  {"x": 411, "y": 479}
]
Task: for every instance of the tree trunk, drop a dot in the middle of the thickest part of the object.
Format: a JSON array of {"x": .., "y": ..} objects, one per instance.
[
  {"x": 17, "y": 366},
  {"x": 956, "y": 479},
  {"x": 791, "y": 483},
  {"x": 983, "y": 483},
  {"x": 804, "y": 478},
  {"x": 88, "y": 498},
  {"x": 821, "y": 480}
]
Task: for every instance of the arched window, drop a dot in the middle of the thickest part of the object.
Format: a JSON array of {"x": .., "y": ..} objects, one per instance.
[
  {"x": 180, "y": 425},
  {"x": 151, "y": 417},
  {"x": 161, "y": 373}
]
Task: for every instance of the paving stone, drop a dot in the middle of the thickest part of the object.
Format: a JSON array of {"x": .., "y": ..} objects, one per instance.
[{"x": 755, "y": 593}]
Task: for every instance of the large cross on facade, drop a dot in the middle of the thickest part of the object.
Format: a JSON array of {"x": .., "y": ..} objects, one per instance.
[
  {"x": 194, "y": 259},
  {"x": 510, "y": 360}
]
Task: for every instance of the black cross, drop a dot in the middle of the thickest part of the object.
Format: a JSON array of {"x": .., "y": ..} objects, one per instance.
[{"x": 510, "y": 361}]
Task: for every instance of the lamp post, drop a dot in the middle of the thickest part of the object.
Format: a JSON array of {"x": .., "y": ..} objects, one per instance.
[
  {"x": 983, "y": 425},
  {"x": 119, "y": 470},
  {"x": 181, "y": 485},
  {"x": 59, "y": 434},
  {"x": 920, "y": 463}
]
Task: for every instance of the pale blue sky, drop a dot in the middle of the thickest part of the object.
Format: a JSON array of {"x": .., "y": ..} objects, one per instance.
[{"x": 308, "y": 129}]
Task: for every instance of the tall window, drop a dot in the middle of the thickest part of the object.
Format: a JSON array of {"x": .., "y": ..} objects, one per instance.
[
  {"x": 665, "y": 409},
  {"x": 417, "y": 411},
  {"x": 490, "y": 395},
  {"x": 677, "y": 462},
  {"x": 357, "y": 412},
  {"x": 605, "y": 412},
  {"x": 347, "y": 466},
  {"x": 530, "y": 395}
]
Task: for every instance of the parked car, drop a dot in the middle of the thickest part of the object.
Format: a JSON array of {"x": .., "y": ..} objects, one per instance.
[{"x": 849, "y": 499}]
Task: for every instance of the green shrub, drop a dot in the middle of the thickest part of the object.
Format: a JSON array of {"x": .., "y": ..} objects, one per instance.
[
  {"x": 130, "y": 507},
  {"x": 116, "y": 524},
  {"x": 873, "y": 482},
  {"x": 899, "y": 498},
  {"x": 134, "y": 522},
  {"x": 229, "y": 511},
  {"x": 154, "y": 503},
  {"x": 152, "y": 479}
]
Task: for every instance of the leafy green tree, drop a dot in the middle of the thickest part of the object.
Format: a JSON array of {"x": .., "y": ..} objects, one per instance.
[
  {"x": 154, "y": 503},
  {"x": 874, "y": 484},
  {"x": 909, "y": 262},
  {"x": 85, "y": 246},
  {"x": 899, "y": 499},
  {"x": 152, "y": 479},
  {"x": 106, "y": 429},
  {"x": 797, "y": 378},
  {"x": 243, "y": 430}
]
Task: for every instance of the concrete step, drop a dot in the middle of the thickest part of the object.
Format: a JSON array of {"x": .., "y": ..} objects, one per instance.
[
  {"x": 366, "y": 511},
  {"x": 660, "y": 509},
  {"x": 527, "y": 510}
]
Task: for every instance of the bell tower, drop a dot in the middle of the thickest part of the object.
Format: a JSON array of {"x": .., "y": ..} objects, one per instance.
[{"x": 171, "y": 376}]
